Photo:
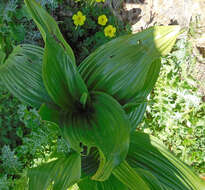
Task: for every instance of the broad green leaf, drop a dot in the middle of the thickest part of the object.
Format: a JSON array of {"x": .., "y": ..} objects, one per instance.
[
  {"x": 22, "y": 75},
  {"x": 136, "y": 116},
  {"x": 149, "y": 179},
  {"x": 59, "y": 174},
  {"x": 50, "y": 113},
  {"x": 150, "y": 81},
  {"x": 128, "y": 176},
  {"x": 123, "y": 66},
  {"x": 148, "y": 153},
  {"x": 111, "y": 184},
  {"x": 47, "y": 25},
  {"x": 135, "y": 109},
  {"x": 60, "y": 75},
  {"x": 104, "y": 125},
  {"x": 61, "y": 78}
]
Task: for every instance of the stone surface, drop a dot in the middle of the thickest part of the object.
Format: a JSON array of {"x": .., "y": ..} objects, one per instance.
[{"x": 144, "y": 13}]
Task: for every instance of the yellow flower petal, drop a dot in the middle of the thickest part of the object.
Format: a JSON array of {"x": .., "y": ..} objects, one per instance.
[
  {"x": 79, "y": 13},
  {"x": 79, "y": 18},
  {"x": 74, "y": 17},
  {"x": 110, "y": 31},
  {"x": 102, "y": 20}
]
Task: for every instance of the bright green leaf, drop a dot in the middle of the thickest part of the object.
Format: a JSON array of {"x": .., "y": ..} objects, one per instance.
[
  {"x": 111, "y": 184},
  {"x": 47, "y": 25},
  {"x": 128, "y": 176},
  {"x": 104, "y": 125},
  {"x": 22, "y": 75},
  {"x": 61, "y": 78},
  {"x": 148, "y": 153},
  {"x": 123, "y": 66},
  {"x": 60, "y": 75},
  {"x": 137, "y": 115},
  {"x": 60, "y": 174},
  {"x": 149, "y": 179}
]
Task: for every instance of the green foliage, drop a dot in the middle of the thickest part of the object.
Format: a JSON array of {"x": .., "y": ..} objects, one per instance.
[
  {"x": 89, "y": 109},
  {"x": 85, "y": 39},
  {"x": 12, "y": 30},
  {"x": 93, "y": 106},
  {"x": 175, "y": 111},
  {"x": 4, "y": 183},
  {"x": 10, "y": 125},
  {"x": 16, "y": 25},
  {"x": 10, "y": 162},
  {"x": 38, "y": 145}
]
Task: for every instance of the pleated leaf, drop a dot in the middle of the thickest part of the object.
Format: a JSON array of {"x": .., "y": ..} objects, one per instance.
[
  {"x": 123, "y": 66},
  {"x": 60, "y": 75},
  {"x": 57, "y": 175},
  {"x": 151, "y": 181},
  {"x": 136, "y": 116},
  {"x": 47, "y": 25},
  {"x": 148, "y": 153},
  {"x": 128, "y": 176},
  {"x": 61, "y": 78},
  {"x": 103, "y": 125},
  {"x": 22, "y": 75},
  {"x": 111, "y": 184}
]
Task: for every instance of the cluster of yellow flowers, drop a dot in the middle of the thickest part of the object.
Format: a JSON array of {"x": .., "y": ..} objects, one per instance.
[{"x": 109, "y": 31}]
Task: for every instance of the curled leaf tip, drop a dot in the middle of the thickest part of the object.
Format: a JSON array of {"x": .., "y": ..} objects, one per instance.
[{"x": 83, "y": 99}]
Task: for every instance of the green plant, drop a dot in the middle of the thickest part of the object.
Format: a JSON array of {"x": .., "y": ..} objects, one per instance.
[
  {"x": 86, "y": 38},
  {"x": 96, "y": 107},
  {"x": 10, "y": 162},
  {"x": 9, "y": 119},
  {"x": 175, "y": 111},
  {"x": 16, "y": 25}
]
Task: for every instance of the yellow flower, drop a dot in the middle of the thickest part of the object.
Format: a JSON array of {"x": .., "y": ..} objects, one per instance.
[
  {"x": 102, "y": 20},
  {"x": 98, "y": 1},
  {"x": 110, "y": 31},
  {"x": 79, "y": 18}
]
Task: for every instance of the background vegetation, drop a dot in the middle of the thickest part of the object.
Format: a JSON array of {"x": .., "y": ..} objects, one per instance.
[{"x": 175, "y": 111}]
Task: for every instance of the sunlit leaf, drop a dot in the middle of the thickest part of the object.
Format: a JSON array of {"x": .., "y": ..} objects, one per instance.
[
  {"x": 60, "y": 75},
  {"x": 136, "y": 116},
  {"x": 151, "y": 181},
  {"x": 22, "y": 75},
  {"x": 128, "y": 176},
  {"x": 148, "y": 153},
  {"x": 62, "y": 80},
  {"x": 47, "y": 25},
  {"x": 123, "y": 67},
  {"x": 111, "y": 184},
  {"x": 59, "y": 174}
]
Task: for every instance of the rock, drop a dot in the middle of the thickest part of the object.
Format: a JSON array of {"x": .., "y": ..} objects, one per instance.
[
  {"x": 162, "y": 12},
  {"x": 144, "y": 13}
]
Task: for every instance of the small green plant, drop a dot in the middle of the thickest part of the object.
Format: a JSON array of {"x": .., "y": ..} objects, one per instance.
[
  {"x": 87, "y": 36},
  {"x": 16, "y": 25},
  {"x": 9, "y": 120},
  {"x": 10, "y": 162},
  {"x": 175, "y": 111},
  {"x": 96, "y": 107}
]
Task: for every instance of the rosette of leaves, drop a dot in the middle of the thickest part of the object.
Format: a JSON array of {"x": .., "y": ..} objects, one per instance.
[{"x": 97, "y": 107}]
